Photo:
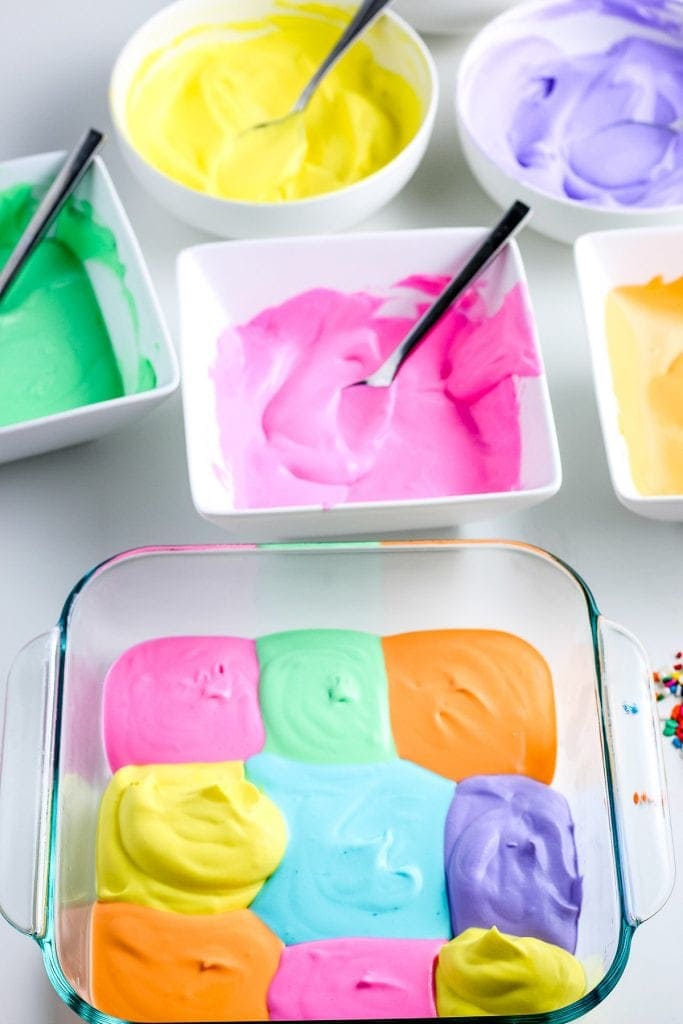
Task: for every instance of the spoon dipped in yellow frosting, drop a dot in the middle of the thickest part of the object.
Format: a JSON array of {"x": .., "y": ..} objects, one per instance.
[{"x": 284, "y": 135}]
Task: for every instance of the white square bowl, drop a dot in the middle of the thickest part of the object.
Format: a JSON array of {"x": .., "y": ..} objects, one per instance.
[
  {"x": 130, "y": 310},
  {"x": 227, "y": 283},
  {"x": 607, "y": 260}
]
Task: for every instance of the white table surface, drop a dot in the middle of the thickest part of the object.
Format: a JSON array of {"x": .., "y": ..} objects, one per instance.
[{"x": 63, "y": 512}]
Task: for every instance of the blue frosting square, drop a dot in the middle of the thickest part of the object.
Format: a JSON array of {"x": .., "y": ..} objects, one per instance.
[{"x": 365, "y": 851}]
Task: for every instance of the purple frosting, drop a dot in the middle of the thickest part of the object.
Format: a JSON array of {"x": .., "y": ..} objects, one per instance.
[
  {"x": 511, "y": 860},
  {"x": 596, "y": 126},
  {"x": 661, "y": 14}
]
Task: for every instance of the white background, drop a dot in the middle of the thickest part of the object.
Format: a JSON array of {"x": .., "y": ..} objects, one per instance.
[{"x": 62, "y": 513}]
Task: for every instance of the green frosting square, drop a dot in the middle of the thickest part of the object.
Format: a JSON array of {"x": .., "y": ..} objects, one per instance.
[{"x": 324, "y": 696}]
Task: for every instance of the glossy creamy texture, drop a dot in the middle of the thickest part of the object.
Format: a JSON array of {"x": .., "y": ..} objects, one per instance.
[
  {"x": 292, "y": 433},
  {"x": 644, "y": 328},
  {"x": 324, "y": 696},
  {"x": 590, "y": 126},
  {"x": 182, "y": 699},
  {"x": 471, "y": 702},
  {"x": 196, "y": 838},
  {"x": 355, "y": 979},
  {"x": 151, "y": 965},
  {"x": 511, "y": 860},
  {"x": 484, "y": 973},
  {"x": 192, "y": 102},
  {"x": 55, "y": 350},
  {"x": 365, "y": 851}
]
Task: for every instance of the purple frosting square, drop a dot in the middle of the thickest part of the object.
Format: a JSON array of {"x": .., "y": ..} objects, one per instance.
[{"x": 511, "y": 859}]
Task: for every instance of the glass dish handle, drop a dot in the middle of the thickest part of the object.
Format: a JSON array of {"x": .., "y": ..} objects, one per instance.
[
  {"x": 638, "y": 779},
  {"x": 26, "y": 767}
]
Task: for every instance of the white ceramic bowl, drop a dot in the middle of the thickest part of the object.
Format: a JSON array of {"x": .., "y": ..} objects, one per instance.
[
  {"x": 130, "y": 309},
  {"x": 228, "y": 283},
  {"x": 607, "y": 260},
  {"x": 394, "y": 44},
  {"x": 484, "y": 106},
  {"x": 449, "y": 17}
]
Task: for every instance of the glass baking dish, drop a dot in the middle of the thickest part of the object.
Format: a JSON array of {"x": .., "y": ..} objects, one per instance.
[{"x": 609, "y": 765}]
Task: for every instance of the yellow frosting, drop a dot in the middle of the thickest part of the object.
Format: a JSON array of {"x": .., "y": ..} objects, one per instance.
[
  {"x": 482, "y": 973},
  {"x": 190, "y": 103},
  {"x": 644, "y": 325},
  {"x": 194, "y": 838}
]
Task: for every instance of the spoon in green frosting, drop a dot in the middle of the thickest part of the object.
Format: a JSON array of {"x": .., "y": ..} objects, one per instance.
[{"x": 75, "y": 166}]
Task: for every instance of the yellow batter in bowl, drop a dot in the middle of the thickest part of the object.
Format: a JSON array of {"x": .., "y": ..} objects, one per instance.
[{"x": 191, "y": 105}]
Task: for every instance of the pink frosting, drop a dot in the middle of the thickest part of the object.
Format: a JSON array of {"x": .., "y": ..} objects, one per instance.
[
  {"x": 292, "y": 433},
  {"x": 354, "y": 979},
  {"x": 183, "y": 699}
]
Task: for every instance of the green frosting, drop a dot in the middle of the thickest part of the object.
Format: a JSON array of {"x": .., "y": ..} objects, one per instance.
[
  {"x": 55, "y": 350},
  {"x": 324, "y": 696}
]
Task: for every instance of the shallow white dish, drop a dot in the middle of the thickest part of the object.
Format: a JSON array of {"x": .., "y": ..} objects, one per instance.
[
  {"x": 481, "y": 103},
  {"x": 607, "y": 260},
  {"x": 395, "y": 46},
  {"x": 133, "y": 335},
  {"x": 449, "y": 17},
  {"x": 228, "y": 283}
]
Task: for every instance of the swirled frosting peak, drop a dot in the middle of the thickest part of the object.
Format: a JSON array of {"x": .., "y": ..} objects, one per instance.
[
  {"x": 486, "y": 973},
  {"x": 511, "y": 860},
  {"x": 194, "y": 838}
]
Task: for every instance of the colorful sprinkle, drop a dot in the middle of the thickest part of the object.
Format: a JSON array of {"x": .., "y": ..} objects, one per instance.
[
  {"x": 669, "y": 683},
  {"x": 643, "y": 798}
]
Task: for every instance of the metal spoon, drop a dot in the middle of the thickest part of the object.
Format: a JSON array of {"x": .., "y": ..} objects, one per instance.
[
  {"x": 366, "y": 13},
  {"x": 485, "y": 253},
  {"x": 59, "y": 191}
]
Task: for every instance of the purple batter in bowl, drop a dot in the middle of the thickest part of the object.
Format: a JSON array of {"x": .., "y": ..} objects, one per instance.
[{"x": 578, "y": 104}]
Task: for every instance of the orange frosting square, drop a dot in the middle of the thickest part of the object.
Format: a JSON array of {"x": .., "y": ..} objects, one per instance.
[
  {"x": 471, "y": 702},
  {"x": 150, "y": 965}
]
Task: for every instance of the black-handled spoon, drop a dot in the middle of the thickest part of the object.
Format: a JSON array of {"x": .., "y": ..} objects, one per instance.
[
  {"x": 496, "y": 239},
  {"x": 67, "y": 179}
]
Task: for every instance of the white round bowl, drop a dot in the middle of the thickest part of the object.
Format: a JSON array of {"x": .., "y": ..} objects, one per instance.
[
  {"x": 449, "y": 17},
  {"x": 484, "y": 106},
  {"x": 395, "y": 45}
]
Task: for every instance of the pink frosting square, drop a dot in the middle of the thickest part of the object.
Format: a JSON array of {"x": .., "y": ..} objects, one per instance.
[
  {"x": 355, "y": 979},
  {"x": 180, "y": 699}
]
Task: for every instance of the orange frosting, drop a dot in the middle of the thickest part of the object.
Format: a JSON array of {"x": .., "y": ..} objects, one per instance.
[
  {"x": 471, "y": 702},
  {"x": 152, "y": 965}
]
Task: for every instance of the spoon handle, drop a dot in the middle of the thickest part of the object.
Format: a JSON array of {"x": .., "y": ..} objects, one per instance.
[
  {"x": 59, "y": 191},
  {"x": 485, "y": 253},
  {"x": 366, "y": 13}
]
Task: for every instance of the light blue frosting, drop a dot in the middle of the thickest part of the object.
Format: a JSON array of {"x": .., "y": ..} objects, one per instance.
[{"x": 365, "y": 851}]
